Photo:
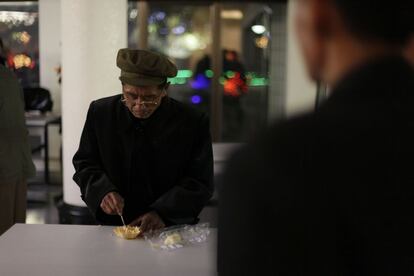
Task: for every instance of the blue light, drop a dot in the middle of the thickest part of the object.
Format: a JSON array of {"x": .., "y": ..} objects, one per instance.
[
  {"x": 160, "y": 15},
  {"x": 178, "y": 30},
  {"x": 156, "y": 16},
  {"x": 200, "y": 82},
  {"x": 196, "y": 99}
]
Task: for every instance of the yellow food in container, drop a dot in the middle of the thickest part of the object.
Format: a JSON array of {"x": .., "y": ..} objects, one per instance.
[{"x": 127, "y": 232}]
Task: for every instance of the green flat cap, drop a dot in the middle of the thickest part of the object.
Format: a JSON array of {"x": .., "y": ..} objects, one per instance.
[{"x": 141, "y": 67}]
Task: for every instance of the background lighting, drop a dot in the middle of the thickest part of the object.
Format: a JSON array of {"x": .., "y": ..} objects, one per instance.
[
  {"x": 258, "y": 29},
  {"x": 262, "y": 42},
  {"x": 196, "y": 99},
  {"x": 178, "y": 30},
  {"x": 231, "y": 14},
  {"x": 17, "y": 18}
]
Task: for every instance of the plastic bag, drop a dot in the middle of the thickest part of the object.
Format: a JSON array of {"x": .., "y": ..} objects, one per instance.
[{"x": 176, "y": 237}]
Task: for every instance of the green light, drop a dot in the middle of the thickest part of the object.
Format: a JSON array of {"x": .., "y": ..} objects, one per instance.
[
  {"x": 230, "y": 74},
  {"x": 177, "y": 80},
  {"x": 258, "y": 82},
  {"x": 181, "y": 80},
  {"x": 222, "y": 80},
  {"x": 184, "y": 74},
  {"x": 171, "y": 80},
  {"x": 209, "y": 73},
  {"x": 152, "y": 28}
]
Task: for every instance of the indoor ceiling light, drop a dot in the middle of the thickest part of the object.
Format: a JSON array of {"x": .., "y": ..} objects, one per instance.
[
  {"x": 258, "y": 29},
  {"x": 231, "y": 14}
]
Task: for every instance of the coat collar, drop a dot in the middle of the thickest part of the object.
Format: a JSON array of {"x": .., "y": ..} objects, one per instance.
[
  {"x": 375, "y": 79},
  {"x": 372, "y": 78}
]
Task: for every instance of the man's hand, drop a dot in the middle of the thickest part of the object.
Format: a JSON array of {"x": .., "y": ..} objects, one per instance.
[
  {"x": 148, "y": 222},
  {"x": 112, "y": 204}
]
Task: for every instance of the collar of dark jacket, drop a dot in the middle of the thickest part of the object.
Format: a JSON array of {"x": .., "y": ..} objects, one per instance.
[{"x": 372, "y": 79}]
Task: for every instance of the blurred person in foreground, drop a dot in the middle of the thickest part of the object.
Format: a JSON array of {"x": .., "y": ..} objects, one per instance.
[
  {"x": 143, "y": 154},
  {"x": 332, "y": 192},
  {"x": 15, "y": 157}
]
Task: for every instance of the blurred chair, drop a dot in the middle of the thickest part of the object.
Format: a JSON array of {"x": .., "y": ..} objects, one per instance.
[{"x": 37, "y": 98}]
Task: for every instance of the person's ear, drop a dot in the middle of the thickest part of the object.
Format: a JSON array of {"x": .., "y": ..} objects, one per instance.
[
  {"x": 322, "y": 18},
  {"x": 322, "y": 22}
]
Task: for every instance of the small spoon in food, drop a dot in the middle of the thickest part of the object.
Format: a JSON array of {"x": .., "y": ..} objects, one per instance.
[{"x": 122, "y": 218}]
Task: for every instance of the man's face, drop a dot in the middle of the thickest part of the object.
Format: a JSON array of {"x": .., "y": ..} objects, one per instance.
[
  {"x": 311, "y": 39},
  {"x": 142, "y": 101}
]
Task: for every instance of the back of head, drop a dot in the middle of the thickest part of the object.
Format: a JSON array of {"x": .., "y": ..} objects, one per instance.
[
  {"x": 389, "y": 22},
  {"x": 336, "y": 35}
]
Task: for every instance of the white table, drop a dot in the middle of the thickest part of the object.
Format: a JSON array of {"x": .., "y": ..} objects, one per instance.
[{"x": 93, "y": 250}]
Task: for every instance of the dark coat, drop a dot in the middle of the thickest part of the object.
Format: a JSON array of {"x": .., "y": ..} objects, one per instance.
[
  {"x": 15, "y": 155},
  {"x": 330, "y": 192},
  {"x": 164, "y": 163}
]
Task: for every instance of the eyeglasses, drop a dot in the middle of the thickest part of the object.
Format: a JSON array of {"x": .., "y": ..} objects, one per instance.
[{"x": 143, "y": 101}]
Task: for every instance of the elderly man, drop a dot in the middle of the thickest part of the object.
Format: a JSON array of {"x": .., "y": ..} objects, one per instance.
[{"x": 143, "y": 154}]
